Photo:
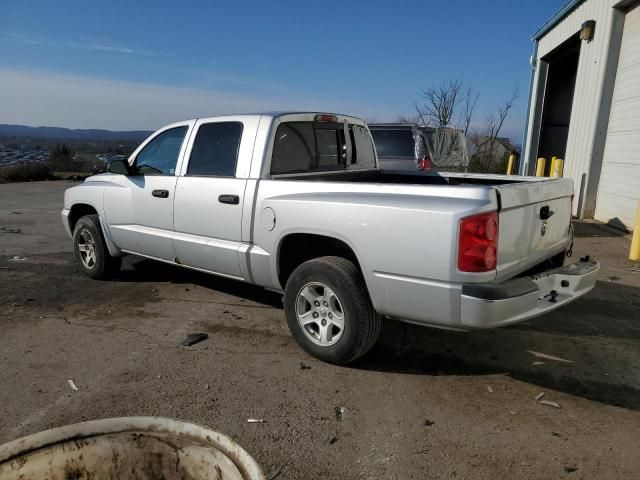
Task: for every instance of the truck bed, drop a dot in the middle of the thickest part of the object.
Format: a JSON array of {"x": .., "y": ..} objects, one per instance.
[
  {"x": 526, "y": 239},
  {"x": 409, "y": 178}
]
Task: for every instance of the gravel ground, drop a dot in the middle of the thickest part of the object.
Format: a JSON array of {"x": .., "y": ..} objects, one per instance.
[{"x": 422, "y": 404}]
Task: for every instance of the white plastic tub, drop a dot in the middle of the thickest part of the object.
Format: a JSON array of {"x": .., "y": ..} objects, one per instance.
[{"x": 127, "y": 448}]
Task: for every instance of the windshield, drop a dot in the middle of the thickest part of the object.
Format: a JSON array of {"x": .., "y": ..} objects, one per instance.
[{"x": 394, "y": 143}]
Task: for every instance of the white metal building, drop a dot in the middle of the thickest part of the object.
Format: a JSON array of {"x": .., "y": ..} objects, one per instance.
[{"x": 584, "y": 105}]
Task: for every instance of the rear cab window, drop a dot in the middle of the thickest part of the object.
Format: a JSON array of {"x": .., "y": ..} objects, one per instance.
[{"x": 310, "y": 146}]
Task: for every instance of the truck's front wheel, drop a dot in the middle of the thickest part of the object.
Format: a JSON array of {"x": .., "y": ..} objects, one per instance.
[
  {"x": 328, "y": 310},
  {"x": 91, "y": 251}
]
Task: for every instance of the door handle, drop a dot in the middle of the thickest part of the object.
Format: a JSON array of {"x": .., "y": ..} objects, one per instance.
[
  {"x": 230, "y": 199},
  {"x": 160, "y": 193}
]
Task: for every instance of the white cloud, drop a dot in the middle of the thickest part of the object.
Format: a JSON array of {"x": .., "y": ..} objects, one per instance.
[
  {"x": 80, "y": 42},
  {"x": 37, "y": 98}
]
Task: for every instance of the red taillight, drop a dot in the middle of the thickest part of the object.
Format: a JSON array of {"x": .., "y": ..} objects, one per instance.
[
  {"x": 326, "y": 117},
  {"x": 424, "y": 164},
  {"x": 478, "y": 243}
]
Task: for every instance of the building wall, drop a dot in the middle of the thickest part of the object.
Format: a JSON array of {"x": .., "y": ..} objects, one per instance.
[
  {"x": 619, "y": 185},
  {"x": 590, "y": 99}
]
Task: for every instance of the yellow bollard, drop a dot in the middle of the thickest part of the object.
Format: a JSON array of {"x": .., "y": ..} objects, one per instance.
[
  {"x": 512, "y": 161},
  {"x": 634, "y": 253},
  {"x": 557, "y": 167},
  {"x": 552, "y": 165},
  {"x": 540, "y": 167}
]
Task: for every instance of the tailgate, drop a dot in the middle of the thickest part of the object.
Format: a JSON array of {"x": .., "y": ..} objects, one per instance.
[{"x": 535, "y": 217}]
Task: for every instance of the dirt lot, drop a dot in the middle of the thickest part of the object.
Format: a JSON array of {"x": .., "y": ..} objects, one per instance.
[{"x": 423, "y": 404}]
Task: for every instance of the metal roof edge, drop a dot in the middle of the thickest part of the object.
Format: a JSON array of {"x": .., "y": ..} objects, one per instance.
[{"x": 570, "y": 6}]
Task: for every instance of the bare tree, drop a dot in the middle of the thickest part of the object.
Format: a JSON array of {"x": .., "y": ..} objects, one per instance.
[
  {"x": 485, "y": 141},
  {"x": 469, "y": 102},
  {"x": 439, "y": 103},
  {"x": 62, "y": 157},
  {"x": 496, "y": 120},
  {"x": 453, "y": 104}
]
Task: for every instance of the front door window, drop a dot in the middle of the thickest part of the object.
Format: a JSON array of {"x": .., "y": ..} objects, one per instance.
[{"x": 160, "y": 155}]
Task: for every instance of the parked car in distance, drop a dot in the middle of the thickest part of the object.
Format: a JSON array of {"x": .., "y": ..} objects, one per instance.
[
  {"x": 401, "y": 146},
  {"x": 407, "y": 146},
  {"x": 296, "y": 203}
]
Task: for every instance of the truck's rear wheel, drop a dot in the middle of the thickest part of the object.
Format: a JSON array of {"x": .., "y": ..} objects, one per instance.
[
  {"x": 328, "y": 310},
  {"x": 91, "y": 251}
]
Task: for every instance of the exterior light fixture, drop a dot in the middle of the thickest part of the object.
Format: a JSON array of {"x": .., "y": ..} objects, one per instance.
[{"x": 587, "y": 30}]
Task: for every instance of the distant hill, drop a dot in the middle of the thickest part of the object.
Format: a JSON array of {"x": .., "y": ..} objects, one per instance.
[{"x": 58, "y": 133}]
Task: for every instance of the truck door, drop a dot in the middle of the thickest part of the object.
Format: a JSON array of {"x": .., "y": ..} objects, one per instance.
[
  {"x": 139, "y": 206},
  {"x": 210, "y": 194}
]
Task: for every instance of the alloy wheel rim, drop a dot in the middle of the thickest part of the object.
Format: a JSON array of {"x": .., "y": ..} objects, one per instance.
[
  {"x": 87, "y": 248},
  {"x": 320, "y": 314}
]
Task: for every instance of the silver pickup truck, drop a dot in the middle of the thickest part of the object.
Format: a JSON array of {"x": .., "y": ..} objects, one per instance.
[{"x": 296, "y": 203}]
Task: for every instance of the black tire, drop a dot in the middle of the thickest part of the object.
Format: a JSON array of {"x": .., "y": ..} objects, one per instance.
[
  {"x": 361, "y": 322},
  {"x": 104, "y": 265},
  {"x": 558, "y": 260}
]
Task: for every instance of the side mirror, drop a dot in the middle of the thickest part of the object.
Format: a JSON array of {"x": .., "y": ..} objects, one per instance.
[{"x": 120, "y": 167}]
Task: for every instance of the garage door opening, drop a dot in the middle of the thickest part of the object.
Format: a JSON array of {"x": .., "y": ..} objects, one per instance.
[{"x": 562, "y": 69}]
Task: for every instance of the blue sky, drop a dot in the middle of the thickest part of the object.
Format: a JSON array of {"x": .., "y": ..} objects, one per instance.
[{"x": 140, "y": 64}]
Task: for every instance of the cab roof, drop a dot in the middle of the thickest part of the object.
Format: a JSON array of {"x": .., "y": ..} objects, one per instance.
[{"x": 279, "y": 113}]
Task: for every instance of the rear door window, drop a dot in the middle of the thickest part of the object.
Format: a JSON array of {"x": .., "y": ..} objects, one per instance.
[
  {"x": 394, "y": 143},
  {"x": 215, "y": 150}
]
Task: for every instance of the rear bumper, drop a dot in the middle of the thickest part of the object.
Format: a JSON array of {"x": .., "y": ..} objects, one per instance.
[{"x": 497, "y": 305}]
